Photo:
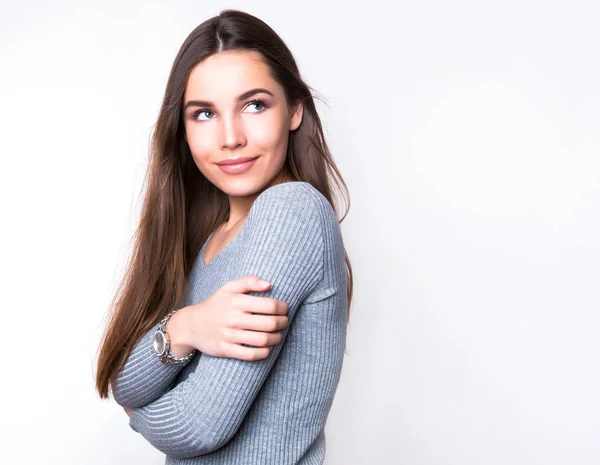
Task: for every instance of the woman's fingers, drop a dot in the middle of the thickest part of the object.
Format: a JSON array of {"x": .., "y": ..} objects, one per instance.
[
  {"x": 257, "y": 304},
  {"x": 246, "y": 284},
  {"x": 240, "y": 352},
  {"x": 254, "y": 338},
  {"x": 267, "y": 323}
]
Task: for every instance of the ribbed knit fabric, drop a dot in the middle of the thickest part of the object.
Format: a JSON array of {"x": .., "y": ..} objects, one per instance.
[{"x": 218, "y": 410}]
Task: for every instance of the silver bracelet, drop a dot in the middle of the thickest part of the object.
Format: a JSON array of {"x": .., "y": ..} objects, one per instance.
[{"x": 162, "y": 344}]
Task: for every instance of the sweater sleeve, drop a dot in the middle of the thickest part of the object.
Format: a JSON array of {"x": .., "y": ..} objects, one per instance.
[
  {"x": 143, "y": 378},
  {"x": 283, "y": 243}
]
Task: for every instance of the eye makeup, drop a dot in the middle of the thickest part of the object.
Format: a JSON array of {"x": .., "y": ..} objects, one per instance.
[{"x": 258, "y": 102}]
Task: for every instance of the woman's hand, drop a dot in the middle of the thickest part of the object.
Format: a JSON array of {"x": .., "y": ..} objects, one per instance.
[{"x": 221, "y": 324}]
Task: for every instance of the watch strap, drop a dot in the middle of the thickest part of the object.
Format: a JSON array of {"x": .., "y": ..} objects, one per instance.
[{"x": 167, "y": 356}]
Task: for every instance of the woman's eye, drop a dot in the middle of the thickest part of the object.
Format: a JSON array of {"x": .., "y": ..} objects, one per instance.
[
  {"x": 196, "y": 114},
  {"x": 257, "y": 103}
]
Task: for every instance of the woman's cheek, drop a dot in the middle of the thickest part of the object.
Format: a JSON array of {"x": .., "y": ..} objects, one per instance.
[
  {"x": 265, "y": 132},
  {"x": 199, "y": 143}
]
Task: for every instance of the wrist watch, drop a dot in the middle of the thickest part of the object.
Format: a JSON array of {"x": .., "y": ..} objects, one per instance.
[{"x": 162, "y": 344}]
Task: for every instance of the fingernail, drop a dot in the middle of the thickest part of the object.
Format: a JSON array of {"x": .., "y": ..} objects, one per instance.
[{"x": 264, "y": 283}]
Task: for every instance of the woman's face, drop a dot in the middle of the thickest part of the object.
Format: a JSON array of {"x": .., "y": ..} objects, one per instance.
[{"x": 234, "y": 109}]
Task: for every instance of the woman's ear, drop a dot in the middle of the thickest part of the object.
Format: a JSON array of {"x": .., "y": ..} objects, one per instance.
[{"x": 296, "y": 117}]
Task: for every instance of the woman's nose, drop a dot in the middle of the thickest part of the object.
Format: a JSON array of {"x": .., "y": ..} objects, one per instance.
[{"x": 233, "y": 134}]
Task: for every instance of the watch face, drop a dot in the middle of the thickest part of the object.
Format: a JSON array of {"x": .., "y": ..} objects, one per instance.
[{"x": 159, "y": 343}]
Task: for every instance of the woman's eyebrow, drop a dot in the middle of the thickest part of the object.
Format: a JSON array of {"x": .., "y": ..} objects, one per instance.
[{"x": 244, "y": 96}]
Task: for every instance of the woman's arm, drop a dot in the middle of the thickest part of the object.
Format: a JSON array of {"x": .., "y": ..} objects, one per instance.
[
  {"x": 143, "y": 378},
  {"x": 284, "y": 244}
]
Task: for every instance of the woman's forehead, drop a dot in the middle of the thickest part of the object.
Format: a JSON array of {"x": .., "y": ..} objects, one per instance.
[{"x": 226, "y": 75}]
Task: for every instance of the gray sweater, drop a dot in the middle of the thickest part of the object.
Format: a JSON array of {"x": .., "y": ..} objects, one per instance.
[{"x": 216, "y": 410}]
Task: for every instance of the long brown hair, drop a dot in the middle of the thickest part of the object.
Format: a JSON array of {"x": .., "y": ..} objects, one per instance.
[{"x": 181, "y": 207}]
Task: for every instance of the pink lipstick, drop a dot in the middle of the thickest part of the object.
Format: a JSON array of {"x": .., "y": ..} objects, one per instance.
[{"x": 237, "y": 166}]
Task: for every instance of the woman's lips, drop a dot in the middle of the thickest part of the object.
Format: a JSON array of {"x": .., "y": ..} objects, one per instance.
[{"x": 238, "y": 168}]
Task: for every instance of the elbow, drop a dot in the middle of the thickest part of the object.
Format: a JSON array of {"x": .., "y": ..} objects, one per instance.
[
  {"x": 196, "y": 444},
  {"x": 182, "y": 431},
  {"x": 193, "y": 447},
  {"x": 182, "y": 441}
]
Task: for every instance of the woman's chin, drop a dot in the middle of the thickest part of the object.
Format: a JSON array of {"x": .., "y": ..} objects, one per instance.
[{"x": 241, "y": 186}]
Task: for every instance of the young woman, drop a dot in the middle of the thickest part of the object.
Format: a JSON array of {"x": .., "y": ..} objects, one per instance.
[{"x": 213, "y": 365}]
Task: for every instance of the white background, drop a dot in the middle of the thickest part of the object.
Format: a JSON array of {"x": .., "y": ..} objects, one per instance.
[{"x": 468, "y": 135}]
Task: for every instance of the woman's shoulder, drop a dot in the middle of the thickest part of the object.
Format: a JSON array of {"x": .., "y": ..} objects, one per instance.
[
  {"x": 300, "y": 197},
  {"x": 293, "y": 213},
  {"x": 300, "y": 189}
]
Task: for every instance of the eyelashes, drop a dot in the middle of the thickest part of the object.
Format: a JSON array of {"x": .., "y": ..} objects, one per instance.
[{"x": 257, "y": 102}]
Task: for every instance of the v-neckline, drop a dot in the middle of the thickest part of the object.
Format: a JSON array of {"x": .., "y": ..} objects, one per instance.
[{"x": 223, "y": 249}]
